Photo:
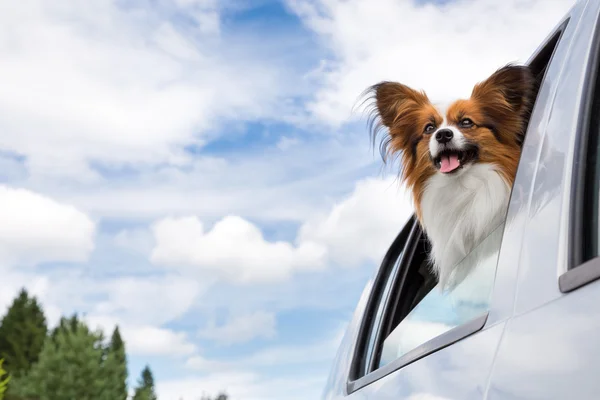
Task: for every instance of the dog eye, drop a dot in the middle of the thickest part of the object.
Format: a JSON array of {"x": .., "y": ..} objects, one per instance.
[
  {"x": 429, "y": 128},
  {"x": 466, "y": 122}
]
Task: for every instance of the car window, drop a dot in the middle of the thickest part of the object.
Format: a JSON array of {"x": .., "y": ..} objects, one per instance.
[
  {"x": 584, "y": 236},
  {"x": 592, "y": 181},
  {"x": 593, "y": 242},
  {"x": 440, "y": 311},
  {"x": 587, "y": 173}
]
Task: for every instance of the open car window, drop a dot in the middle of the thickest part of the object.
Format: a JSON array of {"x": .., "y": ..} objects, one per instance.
[
  {"x": 441, "y": 310},
  {"x": 584, "y": 246},
  {"x": 413, "y": 317}
]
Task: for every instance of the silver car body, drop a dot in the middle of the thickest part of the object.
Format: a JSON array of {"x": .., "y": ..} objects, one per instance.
[{"x": 541, "y": 336}]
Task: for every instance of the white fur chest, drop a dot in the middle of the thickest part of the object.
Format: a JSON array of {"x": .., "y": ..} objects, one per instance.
[{"x": 459, "y": 211}]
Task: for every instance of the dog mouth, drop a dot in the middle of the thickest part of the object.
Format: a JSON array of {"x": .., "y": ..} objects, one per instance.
[{"x": 449, "y": 161}]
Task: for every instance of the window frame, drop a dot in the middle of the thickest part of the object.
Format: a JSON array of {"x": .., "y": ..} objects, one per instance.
[
  {"x": 582, "y": 270},
  {"x": 370, "y": 316},
  {"x": 394, "y": 265},
  {"x": 396, "y": 269}
]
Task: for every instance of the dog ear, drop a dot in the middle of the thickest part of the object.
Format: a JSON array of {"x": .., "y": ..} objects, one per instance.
[
  {"x": 394, "y": 100},
  {"x": 506, "y": 98},
  {"x": 511, "y": 87},
  {"x": 397, "y": 107}
]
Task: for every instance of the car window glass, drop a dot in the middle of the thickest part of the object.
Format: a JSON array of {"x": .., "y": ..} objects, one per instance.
[
  {"x": 594, "y": 181},
  {"x": 595, "y": 207},
  {"x": 591, "y": 183},
  {"x": 440, "y": 311}
]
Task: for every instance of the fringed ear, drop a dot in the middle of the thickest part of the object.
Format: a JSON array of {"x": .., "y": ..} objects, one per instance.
[
  {"x": 507, "y": 97},
  {"x": 514, "y": 84},
  {"x": 394, "y": 106},
  {"x": 392, "y": 99}
]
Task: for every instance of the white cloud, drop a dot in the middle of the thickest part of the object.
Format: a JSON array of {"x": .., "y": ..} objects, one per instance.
[
  {"x": 242, "y": 183},
  {"x": 311, "y": 353},
  {"x": 242, "y": 328},
  {"x": 200, "y": 363},
  {"x": 35, "y": 228},
  {"x": 145, "y": 340},
  {"x": 195, "y": 387},
  {"x": 204, "y": 12},
  {"x": 138, "y": 240},
  {"x": 140, "y": 306},
  {"x": 148, "y": 300},
  {"x": 243, "y": 385},
  {"x": 277, "y": 383},
  {"x": 362, "y": 226},
  {"x": 150, "y": 340},
  {"x": 286, "y": 143},
  {"x": 36, "y": 285},
  {"x": 121, "y": 85},
  {"x": 443, "y": 49},
  {"x": 358, "y": 229},
  {"x": 233, "y": 248}
]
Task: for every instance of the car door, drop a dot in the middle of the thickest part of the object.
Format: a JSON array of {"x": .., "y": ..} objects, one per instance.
[
  {"x": 408, "y": 341},
  {"x": 550, "y": 348}
]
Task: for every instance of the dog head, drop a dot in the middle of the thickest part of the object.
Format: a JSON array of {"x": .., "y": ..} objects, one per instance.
[{"x": 488, "y": 127}]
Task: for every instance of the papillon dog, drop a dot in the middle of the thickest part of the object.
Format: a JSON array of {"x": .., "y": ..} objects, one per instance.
[{"x": 459, "y": 162}]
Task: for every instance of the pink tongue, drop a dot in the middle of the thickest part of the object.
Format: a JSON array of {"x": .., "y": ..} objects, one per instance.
[{"x": 449, "y": 163}]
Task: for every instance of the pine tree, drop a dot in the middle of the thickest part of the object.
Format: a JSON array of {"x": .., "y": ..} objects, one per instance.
[
  {"x": 22, "y": 333},
  {"x": 3, "y": 380},
  {"x": 145, "y": 389},
  {"x": 115, "y": 368},
  {"x": 69, "y": 367},
  {"x": 65, "y": 326}
]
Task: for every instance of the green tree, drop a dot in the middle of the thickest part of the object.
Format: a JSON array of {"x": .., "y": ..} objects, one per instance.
[
  {"x": 145, "y": 388},
  {"x": 69, "y": 367},
  {"x": 3, "y": 381},
  {"x": 115, "y": 368},
  {"x": 65, "y": 326},
  {"x": 22, "y": 334}
]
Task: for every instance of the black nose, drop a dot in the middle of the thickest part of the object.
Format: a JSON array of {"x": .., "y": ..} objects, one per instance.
[{"x": 444, "y": 136}]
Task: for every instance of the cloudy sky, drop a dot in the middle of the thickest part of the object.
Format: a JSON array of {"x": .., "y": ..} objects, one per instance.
[{"x": 193, "y": 170}]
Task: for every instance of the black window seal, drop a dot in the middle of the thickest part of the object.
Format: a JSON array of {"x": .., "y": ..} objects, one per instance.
[
  {"x": 580, "y": 272},
  {"x": 385, "y": 269},
  {"x": 549, "y": 45},
  {"x": 398, "y": 280}
]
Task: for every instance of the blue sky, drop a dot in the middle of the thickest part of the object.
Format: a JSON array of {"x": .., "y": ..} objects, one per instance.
[{"x": 193, "y": 170}]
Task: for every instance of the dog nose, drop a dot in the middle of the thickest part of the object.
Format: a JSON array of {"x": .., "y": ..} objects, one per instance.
[{"x": 444, "y": 136}]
